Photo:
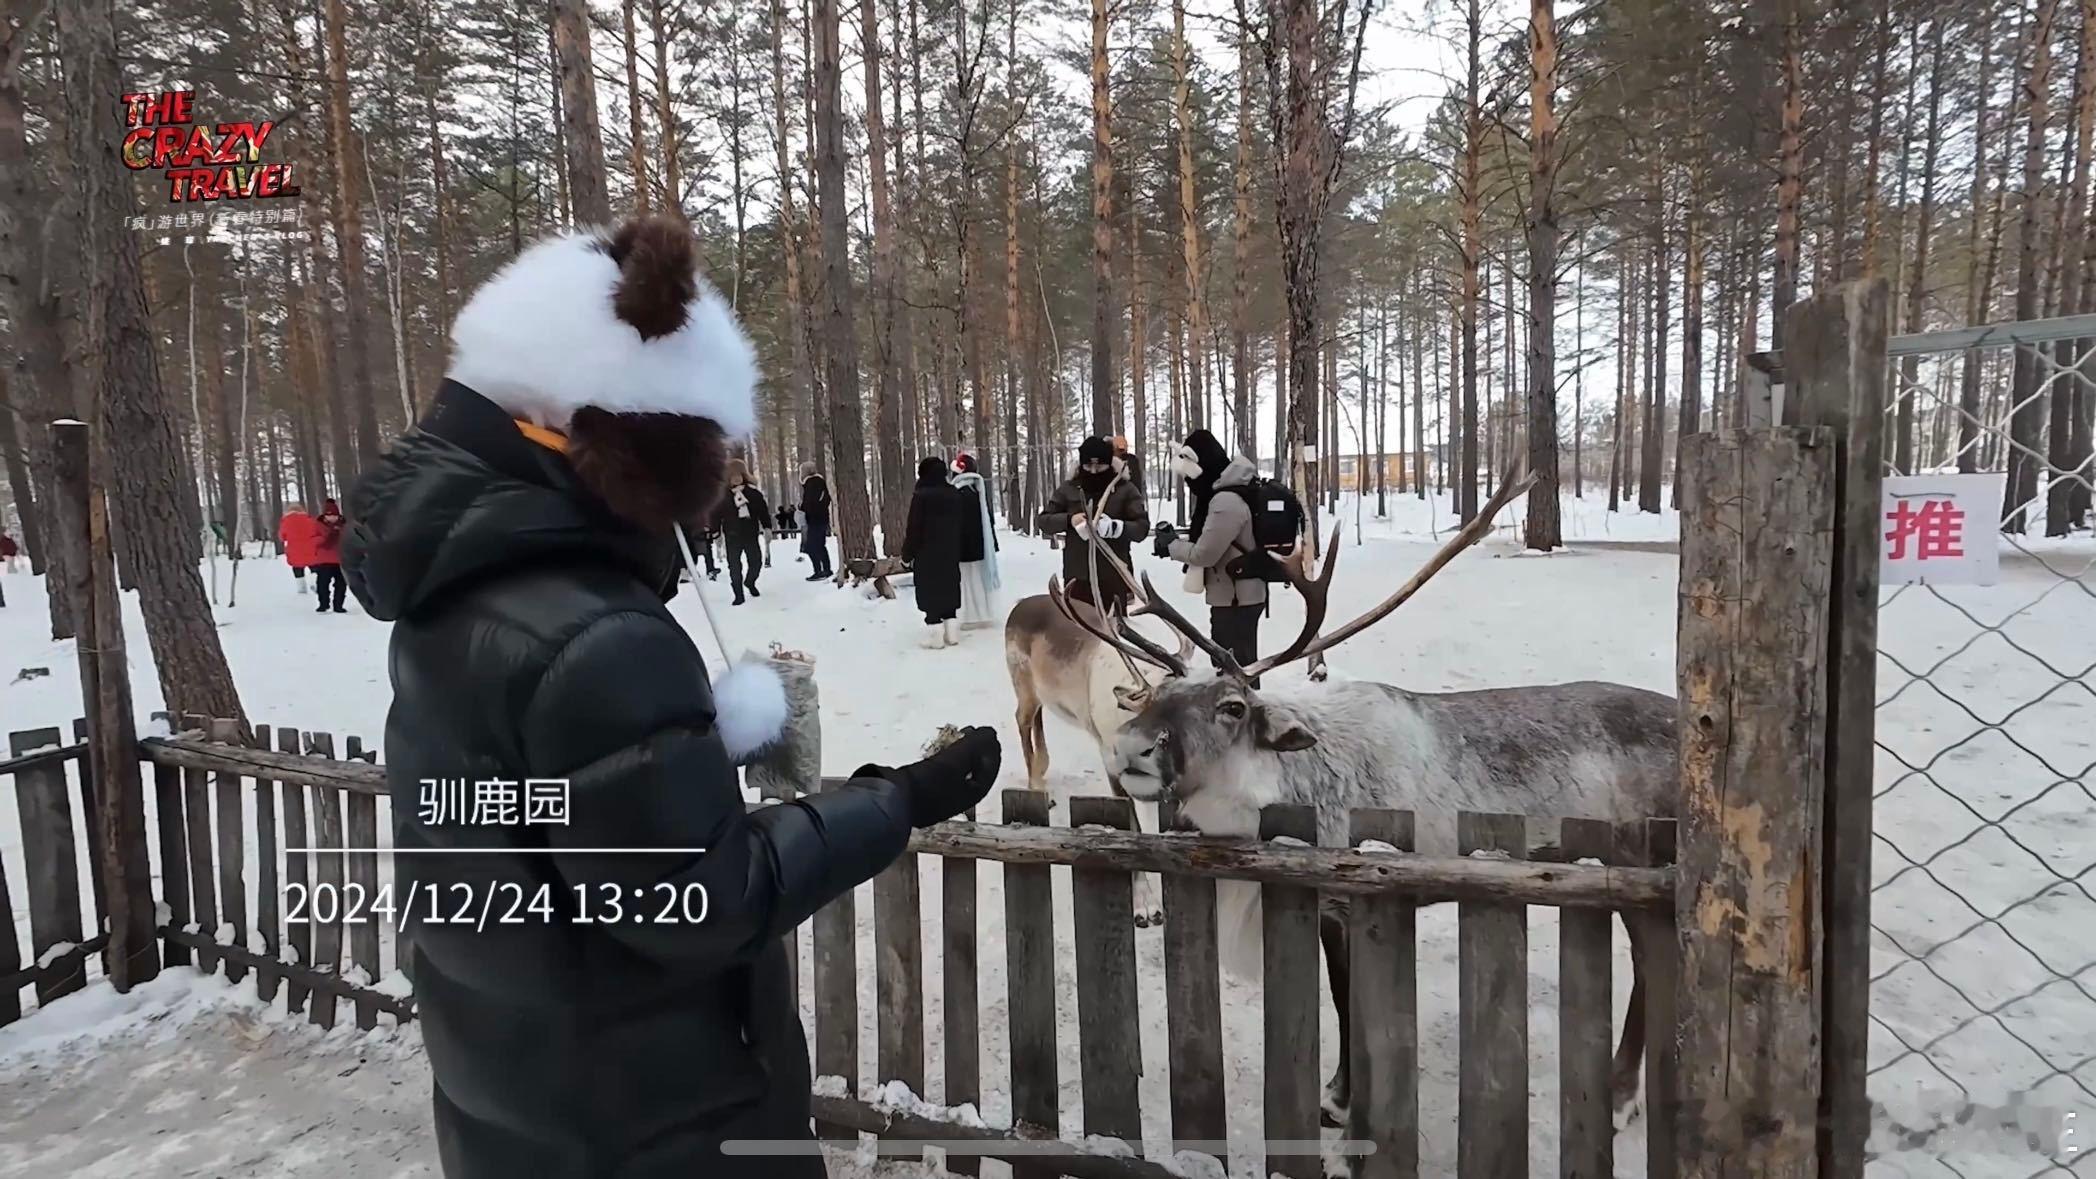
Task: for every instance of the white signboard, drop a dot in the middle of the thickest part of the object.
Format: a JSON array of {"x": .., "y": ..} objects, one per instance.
[{"x": 1941, "y": 529}]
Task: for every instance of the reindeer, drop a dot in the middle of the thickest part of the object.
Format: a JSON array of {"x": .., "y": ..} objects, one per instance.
[
  {"x": 1222, "y": 750},
  {"x": 1057, "y": 666}
]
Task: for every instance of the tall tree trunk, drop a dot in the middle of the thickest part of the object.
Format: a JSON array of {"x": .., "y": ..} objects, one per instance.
[
  {"x": 1422, "y": 330},
  {"x": 19, "y": 485},
  {"x": 2059, "y": 498},
  {"x": 1189, "y": 213},
  {"x": 800, "y": 380},
  {"x": 1010, "y": 467},
  {"x": 2027, "y": 419},
  {"x": 846, "y": 430},
  {"x": 1651, "y": 460},
  {"x": 1541, "y": 529},
  {"x": 1579, "y": 372},
  {"x": 1790, "y": 164},
  {"x": 41, "y": 377},
  {"x": 349, "y": 239},
  {"x": 158, "y": 520},
  {"x": 1138, "y": 333},
  {"x": 1241, "y": 366},
  {"x": 636, "y": 133},
  {"x": 1873, "y": 212},
  {"x": 666, "y": 116},
  {"x": 1470, "y": 192},
  {"x": 887, "y": 294},
  {"x": 1976, "y": 279},
  {"x": 589, "y": 191},
  {"x": 1691, "y": 416},
  {"x": 1918, "y": 284},
  {"x": 1104, "y": 395}
]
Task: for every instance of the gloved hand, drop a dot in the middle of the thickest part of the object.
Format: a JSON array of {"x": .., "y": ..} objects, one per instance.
[
  {"x": 1164, "y": 535},
  {"x": 948, "y": 782},
  {"x": 1103, "y": 528}
]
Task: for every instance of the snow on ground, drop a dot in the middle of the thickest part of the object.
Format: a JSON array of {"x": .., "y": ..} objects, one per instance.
[{"x": 1594, "y": 612}]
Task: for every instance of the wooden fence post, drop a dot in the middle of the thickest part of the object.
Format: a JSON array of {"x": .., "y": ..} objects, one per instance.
[
  {"x": 1835, "y": 345},
  {"x": 1757, "y": 518},
  {"x": 105, "y": 690}
]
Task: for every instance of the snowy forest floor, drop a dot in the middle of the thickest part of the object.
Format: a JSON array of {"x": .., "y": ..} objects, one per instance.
[{"x": 193, "y": 1077}]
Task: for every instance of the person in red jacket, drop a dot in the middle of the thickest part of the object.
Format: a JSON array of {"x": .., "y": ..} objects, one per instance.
[
  {"x": 327, "y": 557},
  {"x": 300, "y": 535}
]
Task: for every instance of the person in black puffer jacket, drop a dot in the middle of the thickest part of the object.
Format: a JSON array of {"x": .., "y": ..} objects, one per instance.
[{"x": 521, "y": 540}]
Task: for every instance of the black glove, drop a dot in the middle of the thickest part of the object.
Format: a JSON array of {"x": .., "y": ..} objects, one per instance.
[
  {"x": 948, "y": 782},
  {"x": 1163, "y": 535}
]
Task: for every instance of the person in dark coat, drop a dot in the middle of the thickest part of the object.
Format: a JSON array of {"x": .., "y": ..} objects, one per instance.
[
  {"x": 521, "y": 541},
  {"x": 815, "y": 522},
  {"x": 327, "y": 559},
  {"x": 932, "y": 546},
  {"x": 1096, "y": 502},
  {"x": 744, "y": 519}
]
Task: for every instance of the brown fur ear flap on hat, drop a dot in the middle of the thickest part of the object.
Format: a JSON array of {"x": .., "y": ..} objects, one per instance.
[{"x": 653, "y": 469}]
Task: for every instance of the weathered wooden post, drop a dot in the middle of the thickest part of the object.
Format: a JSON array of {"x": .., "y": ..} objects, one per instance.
[
  {"x": 82, "y": 524},
  {"x": 1835, "y": 353},
  {"x": 1756, "y": 556}
]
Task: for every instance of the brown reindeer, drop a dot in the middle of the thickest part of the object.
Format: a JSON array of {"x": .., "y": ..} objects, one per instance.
[{"x": 1056, "y": 666}]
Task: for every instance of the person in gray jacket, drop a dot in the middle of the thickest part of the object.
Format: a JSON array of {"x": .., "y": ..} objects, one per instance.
[{"x": 1235, "y": 604}]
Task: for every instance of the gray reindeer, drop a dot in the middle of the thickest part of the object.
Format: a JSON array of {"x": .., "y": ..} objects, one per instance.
[{"x": 1222, "y": 750}]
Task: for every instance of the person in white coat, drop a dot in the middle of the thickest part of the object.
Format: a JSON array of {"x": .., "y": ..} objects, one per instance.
[{"x": 979, "y": 583}]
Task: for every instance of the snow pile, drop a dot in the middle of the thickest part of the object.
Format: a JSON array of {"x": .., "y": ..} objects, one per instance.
[
  {"x": 897, "y": 1098},
  {"x": 97, "y": 1015}
]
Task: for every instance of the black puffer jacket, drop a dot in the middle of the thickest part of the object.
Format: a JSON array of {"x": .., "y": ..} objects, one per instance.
[{"x": 530, "y": 640}]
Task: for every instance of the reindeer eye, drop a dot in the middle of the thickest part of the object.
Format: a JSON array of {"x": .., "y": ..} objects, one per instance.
[{"x": 1234, "y": 709}]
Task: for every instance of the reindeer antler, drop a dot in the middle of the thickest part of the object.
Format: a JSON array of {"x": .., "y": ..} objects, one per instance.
[
  {"x": 1316, "y": 597},
  {"x": 1470, "y": 534},
  {"x": 1152, "y": 603},
  {"x": 1124, "y": 639}
]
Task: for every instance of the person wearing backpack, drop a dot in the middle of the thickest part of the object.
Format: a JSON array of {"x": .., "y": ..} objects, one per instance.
[{"x": 1227, "y": 552}]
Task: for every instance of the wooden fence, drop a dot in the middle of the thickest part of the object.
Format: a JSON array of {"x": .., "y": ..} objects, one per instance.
[{"x": 223, "y": 814}]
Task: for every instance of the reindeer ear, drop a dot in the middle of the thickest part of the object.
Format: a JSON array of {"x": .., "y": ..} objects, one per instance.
[
  {"x": 1281, "y": 729},
  {"x": 1131, "y": 699}
]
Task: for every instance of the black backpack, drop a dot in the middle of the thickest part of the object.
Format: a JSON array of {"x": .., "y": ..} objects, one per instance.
[{"x": 1277, "y": 522}]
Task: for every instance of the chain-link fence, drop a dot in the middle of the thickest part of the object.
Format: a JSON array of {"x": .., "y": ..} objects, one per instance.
[{"x": 1983, "y": 941}]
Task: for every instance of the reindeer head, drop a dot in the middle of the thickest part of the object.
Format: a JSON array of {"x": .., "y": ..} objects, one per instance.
[{"x": 1192, "y": 731}]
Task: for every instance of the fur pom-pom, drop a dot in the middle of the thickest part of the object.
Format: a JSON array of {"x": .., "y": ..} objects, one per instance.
[{"x": 749, "y": 708}]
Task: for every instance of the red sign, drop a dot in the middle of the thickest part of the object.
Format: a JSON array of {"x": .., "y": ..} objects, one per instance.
[{"x": 1935, "y": 527}]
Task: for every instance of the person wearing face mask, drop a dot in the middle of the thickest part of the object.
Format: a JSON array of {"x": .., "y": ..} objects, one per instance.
[
  {"x": 1220, "y": 535},
  {"x": 1097, "y": 504}
]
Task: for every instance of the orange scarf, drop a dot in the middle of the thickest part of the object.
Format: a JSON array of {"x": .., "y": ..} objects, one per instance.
[{"x": 552, "y": 440}]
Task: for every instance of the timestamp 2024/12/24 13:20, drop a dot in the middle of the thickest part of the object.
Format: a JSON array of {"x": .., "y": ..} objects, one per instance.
[{"x": 497, "y": 903}]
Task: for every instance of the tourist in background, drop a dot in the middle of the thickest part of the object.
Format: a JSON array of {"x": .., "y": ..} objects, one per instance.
[
  {"x": 979, "y": 581},
  {"x": 1096, "y": 502},
  {"x": 744, "y": 521},
  {"x": 327, "y": 559},
  {"x": 932, "y": 547},
  {"x": 299, "y": 533},
  {"x": 815, "y": 522}
]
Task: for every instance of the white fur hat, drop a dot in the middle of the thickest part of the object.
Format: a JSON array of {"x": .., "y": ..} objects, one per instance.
[{"x": 621, "y": 320}]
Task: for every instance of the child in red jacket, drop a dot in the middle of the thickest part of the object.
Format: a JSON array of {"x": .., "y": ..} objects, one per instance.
[{"x": 300, "y": 535}]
